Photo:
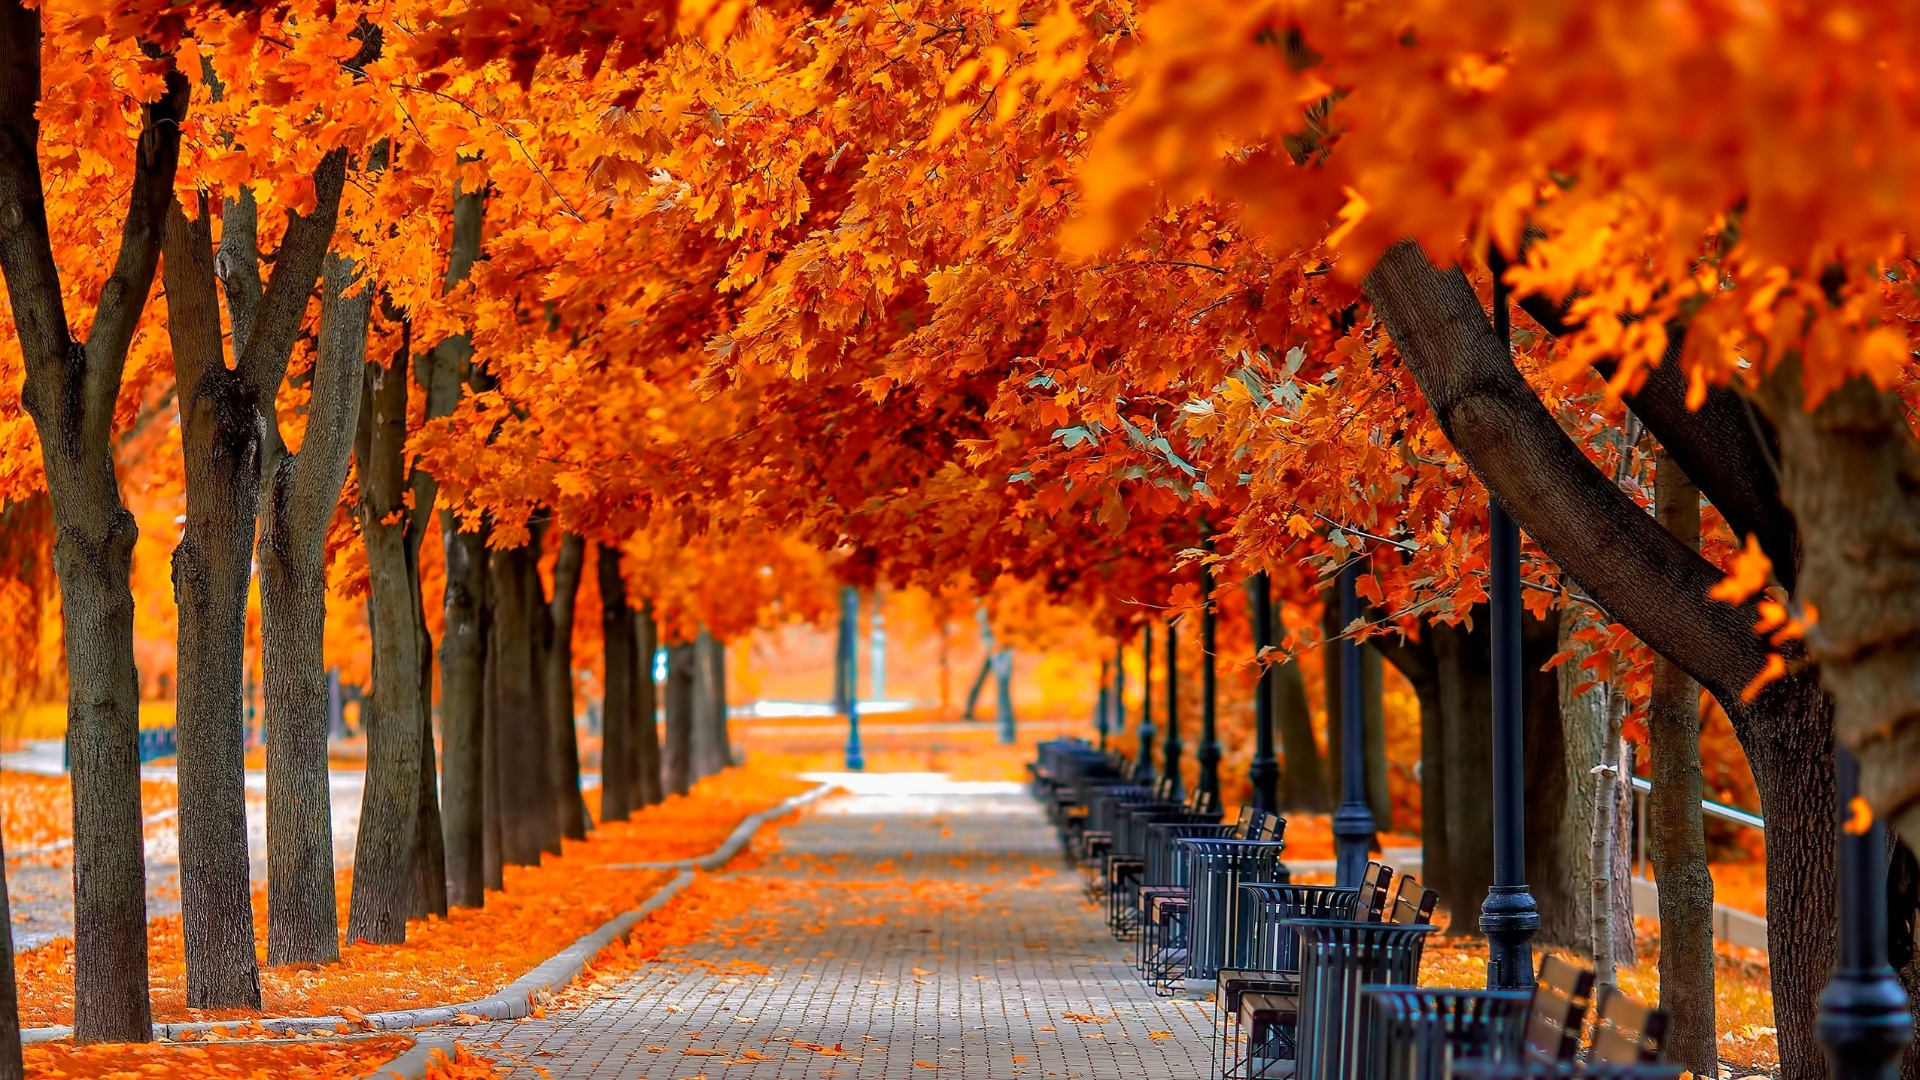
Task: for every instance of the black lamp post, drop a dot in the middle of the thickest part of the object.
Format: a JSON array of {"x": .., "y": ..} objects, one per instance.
[
  {"x": 1863, "y": 1023},
  {"x": 1509, "y": 917},
  {"x": 1143, "y": 768},
  {"x": 1100, "y": 706},
  {"x": 1207, "y": 754},
  {"x": 850, "y": 666},
  {"x": 1353, "y": 825},
  {"x": 1170, "y": 750},
  {"x": 1119, "y": 724},
  {"x": 1264, "y": 771}
]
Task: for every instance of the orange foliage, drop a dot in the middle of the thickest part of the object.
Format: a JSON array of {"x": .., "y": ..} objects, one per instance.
[
  {"x": 276, "y": 1059},
  {"x": 37, "y": 811}
]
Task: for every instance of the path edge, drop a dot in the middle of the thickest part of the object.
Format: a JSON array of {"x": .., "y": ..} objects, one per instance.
[{"x": 516, "y": 999}]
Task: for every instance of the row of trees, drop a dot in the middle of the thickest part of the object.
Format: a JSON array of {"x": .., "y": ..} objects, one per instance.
[{"x": 775, "y": 299}]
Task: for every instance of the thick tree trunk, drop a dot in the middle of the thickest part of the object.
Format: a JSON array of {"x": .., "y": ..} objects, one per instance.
[
  {"x": 644, "y": 741},
  {"x": 385, "y": 874},
  {"x": 677, "y": 766},
  {"x": 619, "y": 719},
  {"x": 212, "y": 568},
  {"x": 526, "y": 808},
  {"x": 706, "y": 744},
  {"x": 429, "y": 842},
  {"x": 1584, "y": 722},
  {"x": 492, "y": 847},
  {"x": 1655, "y": 585},
  {"x": 1304, "y": 776},
  {"x": 71, "y": 390},
  {"x": 568, "y": 807},
  {"x": 463, "y": 657},
  {"x": 545, "y": 797},
  {"x": 1677, "y": 832},
  {"x": 303, "y": 922}
]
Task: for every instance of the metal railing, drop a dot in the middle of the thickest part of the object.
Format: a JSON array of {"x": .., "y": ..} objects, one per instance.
[{"x": 1643, "y": 787}]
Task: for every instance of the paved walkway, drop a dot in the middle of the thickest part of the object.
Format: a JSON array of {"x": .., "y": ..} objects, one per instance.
[{"x": 915, "y": 928}]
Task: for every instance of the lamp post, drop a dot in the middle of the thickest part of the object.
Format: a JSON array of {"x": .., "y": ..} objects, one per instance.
[
  {"x": 1863, "y": 1023},
  {"x": 850, "y": 669},
  {"x": 1264, "y": 771},
  {"x": 1207, "y": 754},
  {"x": 1353, "y": 824},
  {"x": 1143, "y": 765},
  {"x": 1119, "y": 724},
  {"x": 1509, "y": 917},
  {"x": 1170, "y": 750},
  {"x": 1100, "y": 707}
]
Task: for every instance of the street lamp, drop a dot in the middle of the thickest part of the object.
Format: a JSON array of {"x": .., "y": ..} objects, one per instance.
[
  {"x": 1207, "y": 754},
  {"x": 1353, "y": 824},
  {"x": 1143, "y": 765},
  {"x": 1863, "y": 1023},
  {"x": 1509, "y": 917},
  {"x": 1264, "y": 771},
  {"x": 1170, "y": 750},
  {"x": 850, "y": 673}
]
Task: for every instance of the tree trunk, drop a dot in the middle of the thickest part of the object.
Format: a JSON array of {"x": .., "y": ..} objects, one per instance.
[
  {"x": 708, "y": 713},
  {"x": 545, "y": 814},
  {"x": 385, "y": 872},
  {"x": 720, "y": 695},
  {"x": 1304, "y": 774},
  {"x": 568, "y": 807},
  {"x": 1584, "y": 721},
  {"x": 677, "y": 767},
  {"x": 71, "y": 390},
  {"x": 492, "y": 840},
  {"x": 526, "y": 810},
  {"x": 619, "y": 719},
  {"x": 643, "y": 741},
  {"x": 12, "y": 1063},
  {"x": 463, "y": 658},
  {"x": 1677, "y": 837},
  {"x": 303, "y": 921},
  {"x": 212, "y": 568}
]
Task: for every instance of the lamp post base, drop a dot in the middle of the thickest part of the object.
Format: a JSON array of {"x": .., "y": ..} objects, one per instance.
[
  {"x": 1264, "y": 775},
  {"x": 1509, "y": 919},
  {"x": 1353, "y": 836},
  {"x": 1864, "y": 1024}
]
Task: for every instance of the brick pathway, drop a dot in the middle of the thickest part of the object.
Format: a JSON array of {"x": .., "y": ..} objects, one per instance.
[{"x": 924, "y": 928}]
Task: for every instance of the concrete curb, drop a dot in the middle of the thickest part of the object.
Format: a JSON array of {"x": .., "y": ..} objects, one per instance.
[
  {"x": 413, "y": 1064},
  {"x": 517, "y": 999}
]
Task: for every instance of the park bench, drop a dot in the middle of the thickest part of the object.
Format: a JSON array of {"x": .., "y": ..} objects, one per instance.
[
  {"x": 1191, "y": 925},
  {"x": 1265, "y": 958},
  {"x": 1126, "y": 862},
  {"x": 1106, "y": 816},
  {"x": 1626, "y": 1041},
  {"x": 1307, "y": 1020}
]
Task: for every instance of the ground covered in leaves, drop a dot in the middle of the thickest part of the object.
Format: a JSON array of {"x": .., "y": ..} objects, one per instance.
[
  {"x": 275, "y": 1060},
  {"x": 472, "y": 952}
]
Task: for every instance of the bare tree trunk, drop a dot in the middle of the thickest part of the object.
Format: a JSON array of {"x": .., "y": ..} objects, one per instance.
[
  {"x": 618, "y": 714},
  {"x": 678, "y": 765},
  {"x": 706, "y": 710},
  {"x": 1606, "y": 777},
  {"x": 463, "y": 689},
  {"x": 526, "y": 812},
  {"x": 546, "y": 814},
  {"x": 385, "y": 874},
  {"x": 493, "y": 841},
  {"x": 568, "y": 807},
  {"x": 1677, "y": 831},
  {"x": 303, "y": 922},
  {"x": 644, "y": 741}
]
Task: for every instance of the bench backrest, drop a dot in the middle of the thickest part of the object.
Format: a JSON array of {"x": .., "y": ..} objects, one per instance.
[
  {"x": 1163, "y": 789},
  {"x": 1413, "y": 903},
  {"x": 1203, "y": 802},
  {"x": 1625, "y": 1031},
  {"x": 1243, "y": 825},
  {"x": 1561, "y": 996},
  {"x": 1372, "y": 901},
  {"x": 1267, "y": 827}
]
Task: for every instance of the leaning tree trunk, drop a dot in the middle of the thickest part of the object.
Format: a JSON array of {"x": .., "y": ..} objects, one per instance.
[
  {"x": 303, "y": 921},
  {"x": 677, "y": 769},
  {"x": 618, "y": 715},
  {"x": 526, "y": 811},
  {"x": 463, "y": 657},
  {"x": 644, "y": 741},
  {"x": 385, "y": 875},
  {"x": 564, "y": 755}
]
